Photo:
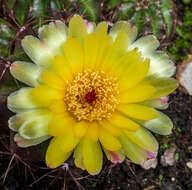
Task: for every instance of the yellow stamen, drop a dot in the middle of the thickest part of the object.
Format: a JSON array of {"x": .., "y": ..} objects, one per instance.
[{"x": 91, "y": 95}]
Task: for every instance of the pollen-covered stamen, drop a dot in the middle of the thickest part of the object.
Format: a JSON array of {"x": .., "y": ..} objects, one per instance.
[{"x": 91, "y": 95}]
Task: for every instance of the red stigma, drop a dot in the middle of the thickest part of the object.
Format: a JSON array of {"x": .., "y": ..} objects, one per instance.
[{"x": 90, "y": 96}]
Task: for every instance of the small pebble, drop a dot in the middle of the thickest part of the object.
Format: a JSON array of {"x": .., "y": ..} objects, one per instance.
[{"x": 189, "y": 164}]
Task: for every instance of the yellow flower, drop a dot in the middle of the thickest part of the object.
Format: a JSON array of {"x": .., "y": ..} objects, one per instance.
[{"x": 91, "y": 91}]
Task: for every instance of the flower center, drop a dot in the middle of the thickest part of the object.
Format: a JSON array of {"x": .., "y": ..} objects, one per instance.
[{"x": 92, "y": 95}]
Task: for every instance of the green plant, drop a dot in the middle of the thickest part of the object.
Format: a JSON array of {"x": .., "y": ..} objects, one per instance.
[
  {"x": 183, "y": 42},
  {"x": 160, "y": 177},
  {"x": 152, "y": 16}
]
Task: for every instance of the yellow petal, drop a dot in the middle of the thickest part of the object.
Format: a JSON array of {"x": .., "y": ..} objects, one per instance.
[
  {"x": 164, "y": 86},
  {"x": 94, "y": 51},
  {"x": 101, "y": 28},
  {"x": 124, "y": 26},
  {"x": 91, "y": 49},
  {"x": 25, "y": 72},
  {"x": 62, "y": 67},
  {"x": 138, "y": 111},
  {"x": 80, "y": 129},
  {"x": 78, "y": 155},
  {"x": 68, "y": 142},
  {"x": 16, "y": 121},
  {"x": 74, "y": 54},
  {"x": 34, "y": 123},
  {"x": 104, "y": 42},
  {"x": 103, "y": 49},
  {"x": 77, "y": 28},
  {"x": 58, "y": 107},
  {"x": 132, "y": 151},
  {"x": 133, "y": 73},
  {"x": 45, "y": 94},
  {"x": 22, "y": 100},
  {"x": 60, "y": 125},
  {"x": 117, "y": 50},
  {"x": 160, "y": 103},
  {"x": 123, "y": 122},
  {"x": 23, "y": 143},
  {"x": 92, "y": 131},
  {"x": 115, "y": 156},
  {"x": 120, "y": 44},
  {"x": 52, "y": 80},
  {"x": 38, "y": 51},
  {"x": 131, "y": 57},
  {"x": 161, "y": 125},
  {"x": 108, "y": 141},
  {"x": 143, "y": 138},
  {"x": 92, "y": 156},
  {"x": 54, "y": 155},
  {"x": 90, "y": 26},
  {"x": 113, "y": 130},
  {"x": 161, "y": 65},
  {"x": 147, "y": 45},
  {"x": 120, "y": 63},
  {"x": 35, "y": 128},
  {"x": 138, "y": 93},
  {"x": 53, "y": 35}
]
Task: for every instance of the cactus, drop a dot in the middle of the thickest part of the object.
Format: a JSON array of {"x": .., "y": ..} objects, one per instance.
[
  {"x": 182, "y": 44},
  {"x": 151, "y": 16},
  {"x": 90, "y": 8}
]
